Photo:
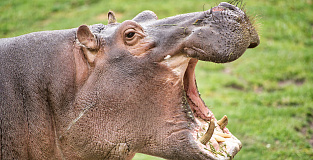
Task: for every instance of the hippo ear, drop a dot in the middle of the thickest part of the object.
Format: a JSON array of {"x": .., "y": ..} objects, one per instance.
[
  {"x": 89, "y": 42},
  {"x": 86, "y": 38},
  {"x": 145, "y": 16},
  {"x": 111, "y": 17}
]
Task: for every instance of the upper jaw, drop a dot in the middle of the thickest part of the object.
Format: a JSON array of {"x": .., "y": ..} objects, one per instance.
[{"x": 222, "y": 35}]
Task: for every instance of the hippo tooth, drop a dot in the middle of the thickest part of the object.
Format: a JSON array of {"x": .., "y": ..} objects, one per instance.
[
  {"x": 224, "y": 135},
  {"x": 167, "y": 57},
  {"x": 219, "y": 138},
  {"x": 223, "y": 122},
  {"x": 207, "y": 136}
]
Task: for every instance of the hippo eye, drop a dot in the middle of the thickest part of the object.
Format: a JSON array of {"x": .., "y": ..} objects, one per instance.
[{"x": 130, "y": 34}]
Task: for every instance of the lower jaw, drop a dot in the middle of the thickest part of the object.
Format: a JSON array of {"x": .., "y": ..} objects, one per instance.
[{"x": 222, "y": 144}]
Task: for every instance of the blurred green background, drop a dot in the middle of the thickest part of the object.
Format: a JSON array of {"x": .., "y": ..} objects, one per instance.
[{"x": 267, "y": 93}]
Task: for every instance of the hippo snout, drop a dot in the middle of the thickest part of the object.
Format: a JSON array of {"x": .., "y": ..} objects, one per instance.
[
  {"x": 254, "y": 39},
  {"x": 222, "y": 35}
]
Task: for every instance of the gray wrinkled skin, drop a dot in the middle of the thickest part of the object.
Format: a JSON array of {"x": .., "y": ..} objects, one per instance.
[{"x": 110, "y": 91}]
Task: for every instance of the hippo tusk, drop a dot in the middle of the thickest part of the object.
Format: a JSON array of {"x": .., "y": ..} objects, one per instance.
[
  {"x": 207, "y": 136},
  {"x": 223, "y": 122}
]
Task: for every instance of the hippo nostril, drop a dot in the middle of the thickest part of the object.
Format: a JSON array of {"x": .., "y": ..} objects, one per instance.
[
  {"x": 253, "y": 45},
  {"x": 214, "y": 9},
  {"x": 228, "y": 6},
  {"x": 224, "y": 6}
]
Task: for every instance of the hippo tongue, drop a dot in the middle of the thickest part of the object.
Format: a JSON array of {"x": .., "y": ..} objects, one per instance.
[{"x": 196, "y": 103}]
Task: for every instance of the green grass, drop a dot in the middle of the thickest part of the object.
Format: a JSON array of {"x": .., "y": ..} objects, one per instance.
[{"x": 267, "y": 93}]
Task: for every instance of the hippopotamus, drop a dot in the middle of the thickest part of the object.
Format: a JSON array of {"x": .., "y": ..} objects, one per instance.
[{"x": 111, "y": 91}]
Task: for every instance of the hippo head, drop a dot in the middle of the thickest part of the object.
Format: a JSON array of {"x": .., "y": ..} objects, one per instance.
[{"x": 137, "y": 84}]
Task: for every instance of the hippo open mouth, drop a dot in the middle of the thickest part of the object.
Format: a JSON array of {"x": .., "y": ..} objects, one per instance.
[{"x": 210, "y": 134}]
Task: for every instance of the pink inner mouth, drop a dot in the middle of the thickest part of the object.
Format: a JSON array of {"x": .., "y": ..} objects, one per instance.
[
  {"x": 214, "y": 9},
  {"x": 203, "y": 116},
  {"x": 196, "y": 103}
]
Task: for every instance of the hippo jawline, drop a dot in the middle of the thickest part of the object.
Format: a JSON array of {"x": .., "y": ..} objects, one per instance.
[{"x": 214, "y": 140}]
